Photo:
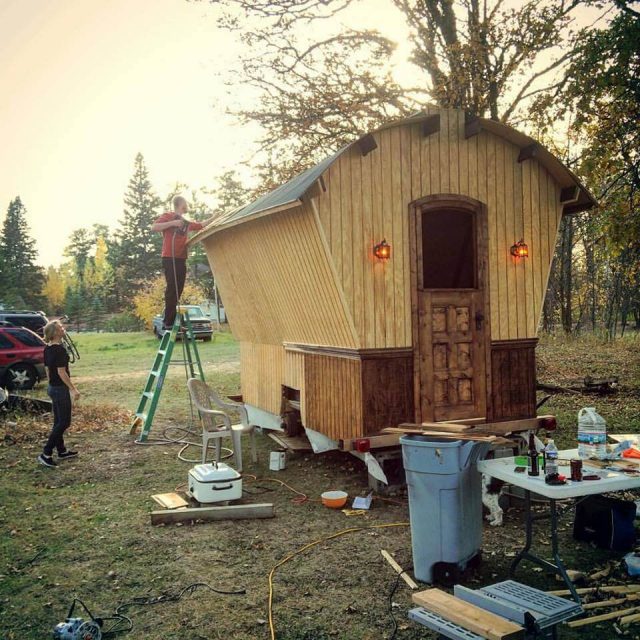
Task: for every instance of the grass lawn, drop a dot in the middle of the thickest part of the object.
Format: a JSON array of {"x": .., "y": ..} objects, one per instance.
[{"x": 83, "y": 529}]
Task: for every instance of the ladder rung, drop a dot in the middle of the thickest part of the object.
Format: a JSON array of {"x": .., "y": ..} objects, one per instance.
[
  {"x": 141, "y": 416},
  {"x": 154, "y": 373},
  {"x": 148, "y": 394},
  {"x": 161, "y": 352}
]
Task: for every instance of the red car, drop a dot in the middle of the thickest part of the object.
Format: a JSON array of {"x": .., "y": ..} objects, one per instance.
[{"x": 21, "y": 358}]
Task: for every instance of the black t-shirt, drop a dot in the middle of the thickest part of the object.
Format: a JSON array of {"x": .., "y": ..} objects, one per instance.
[{"x": 55, "y": 356}]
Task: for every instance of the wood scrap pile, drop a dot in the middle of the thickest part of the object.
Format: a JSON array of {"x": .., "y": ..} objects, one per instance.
[
  {"x": 444, "y": 431},
  {"x": 600, "y": 386},
  {"x": 607, "y": 603}
]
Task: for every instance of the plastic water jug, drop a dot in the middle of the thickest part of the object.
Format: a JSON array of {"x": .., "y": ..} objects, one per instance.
[{"x": 592, "y": 434}]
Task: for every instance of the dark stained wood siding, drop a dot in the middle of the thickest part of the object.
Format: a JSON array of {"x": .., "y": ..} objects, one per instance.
[
  {"x": 513, "y": 377},
  {"x": 387, "y": 390},
  {"x": 352, "y": 393}
]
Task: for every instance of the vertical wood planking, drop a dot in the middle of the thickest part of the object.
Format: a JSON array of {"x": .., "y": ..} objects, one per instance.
[
  {"x": 524, "y": 268},
  {"x": 347, "y": 227},
  {"x": 453, "y": 140},
  {"x": 443, "y": 152},
  {"x": 335, "y": 233},
  {"x": 378, "y": 230},
  {"x": 397, "y": 317},
  {"x": 368, "y": 238},
  {"x": 406, "y": 145},
  {"x": 504, "y": 227},
  {"x": 387, "y": 232},
  {"x": 464, "y": 149},
  {"x": 358, "y": 249},
  {"x": 488, "y": 172}
]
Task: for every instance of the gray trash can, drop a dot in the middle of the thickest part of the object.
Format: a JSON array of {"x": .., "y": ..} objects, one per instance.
[{"x": 445, "y": 504}]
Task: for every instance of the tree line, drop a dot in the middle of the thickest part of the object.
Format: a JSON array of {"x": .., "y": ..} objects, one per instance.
[
  {"x": 109, "y": 272},
  {"x": 540, "y": 67}
]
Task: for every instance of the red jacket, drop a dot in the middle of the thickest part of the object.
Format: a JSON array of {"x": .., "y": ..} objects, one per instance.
[{"x": 174, "y": 238}]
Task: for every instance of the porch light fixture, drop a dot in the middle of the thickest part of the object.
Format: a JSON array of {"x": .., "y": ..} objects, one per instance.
[
  {"x": 520, "y": 249},
  {"x": 382, "y": 250}
]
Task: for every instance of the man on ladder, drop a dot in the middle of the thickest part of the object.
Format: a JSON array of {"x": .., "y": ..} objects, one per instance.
[{"x": 174, "y": 228}]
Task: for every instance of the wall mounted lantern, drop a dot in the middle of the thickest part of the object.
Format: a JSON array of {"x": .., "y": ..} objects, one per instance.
[
  {"x": 520, "y": 249},
  {"x": 382, "y": 250}
]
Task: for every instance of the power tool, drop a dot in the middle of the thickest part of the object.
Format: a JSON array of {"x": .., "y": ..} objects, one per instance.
[{"x": 77, "y": 629}]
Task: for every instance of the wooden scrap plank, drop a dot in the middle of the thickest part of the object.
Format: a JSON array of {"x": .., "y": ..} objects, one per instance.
[
  {"x": 375, "y": 441},
  {"x": 231, "y": 512},
  {"x": 170, "y": 500},
  {"x": 441, "y": 434},
  {"x": 398, "y": 569},
  {"x": 293, "y": 443},
  {"x": 612, "y": 615},
  {"x": 437, "y": 426},
  {"x": 613, "y": 602},
  {"x": 475, "y": 619},
  {"x": 624, "y": 588}
]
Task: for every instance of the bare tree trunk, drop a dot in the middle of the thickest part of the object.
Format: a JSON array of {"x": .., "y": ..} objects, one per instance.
[
  {"x": 566, "y": 273},
  {"x": 591, "y": 277}
]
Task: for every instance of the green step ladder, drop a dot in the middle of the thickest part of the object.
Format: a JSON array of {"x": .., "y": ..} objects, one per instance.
[{"x": 153, "y": 388}]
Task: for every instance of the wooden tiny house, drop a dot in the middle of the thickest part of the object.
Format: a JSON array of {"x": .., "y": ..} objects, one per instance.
[{"x": 443, "y": 328}]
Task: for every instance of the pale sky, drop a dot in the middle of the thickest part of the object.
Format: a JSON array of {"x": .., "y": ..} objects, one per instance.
[{"x": 86, "y": 84}]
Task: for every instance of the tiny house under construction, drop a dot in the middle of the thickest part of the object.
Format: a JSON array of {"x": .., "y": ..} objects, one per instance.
[{"x": 400, "y": 280}]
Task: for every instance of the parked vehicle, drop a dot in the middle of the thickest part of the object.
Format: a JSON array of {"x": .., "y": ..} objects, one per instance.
[
  {"x": 33, "y": 320},
  {"x": 21, "y": 358},
  {"x": 200, "y": 323}
]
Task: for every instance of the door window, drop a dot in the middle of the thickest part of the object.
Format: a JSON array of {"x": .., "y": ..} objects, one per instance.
[{"x": 448, "y": 250}]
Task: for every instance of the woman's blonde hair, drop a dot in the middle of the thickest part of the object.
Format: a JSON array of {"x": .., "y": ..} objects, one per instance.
[{"x": 50, "y": 330}]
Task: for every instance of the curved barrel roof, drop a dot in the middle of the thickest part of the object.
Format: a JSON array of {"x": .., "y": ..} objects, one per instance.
[{"x": 291, "y": 193}]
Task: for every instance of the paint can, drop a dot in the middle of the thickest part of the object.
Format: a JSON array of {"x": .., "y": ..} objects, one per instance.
[{"x": 278, "y": 460}]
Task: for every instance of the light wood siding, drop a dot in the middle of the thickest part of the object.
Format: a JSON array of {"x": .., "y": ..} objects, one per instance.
[
  {"x": 334, "y": 396},
  {"x": 367, "y": 199},
  {"x": 263, "y": 369},
  {"x": 278, "y": 283}
]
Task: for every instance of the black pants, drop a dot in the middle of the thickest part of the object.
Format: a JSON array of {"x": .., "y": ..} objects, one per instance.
[
  {"x": 61, "y": 401},
  {"x": 171, "y": 296}
]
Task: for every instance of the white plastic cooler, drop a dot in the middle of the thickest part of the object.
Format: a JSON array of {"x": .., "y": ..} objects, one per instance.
[{"x": 215, "y": 482}]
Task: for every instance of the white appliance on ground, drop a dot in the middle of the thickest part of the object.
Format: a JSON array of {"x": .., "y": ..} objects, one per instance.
[{"x": 215, "y": 482}]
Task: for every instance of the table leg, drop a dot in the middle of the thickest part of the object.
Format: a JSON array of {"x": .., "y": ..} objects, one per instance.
[{"x": 526, "y": 554}]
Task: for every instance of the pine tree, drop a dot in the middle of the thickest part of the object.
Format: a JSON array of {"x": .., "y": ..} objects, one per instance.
[
  {"x": 136, "y": 251},
  {"x": 21, "y": 279}
]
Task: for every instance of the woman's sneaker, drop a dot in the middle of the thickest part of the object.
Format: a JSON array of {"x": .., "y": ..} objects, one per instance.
[
  {"x": 47, "y": 461},
  {"x": 67, "y": 454}
]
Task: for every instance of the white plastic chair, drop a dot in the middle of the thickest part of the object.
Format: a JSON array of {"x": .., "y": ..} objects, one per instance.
[{"x": 216, "y": 422}]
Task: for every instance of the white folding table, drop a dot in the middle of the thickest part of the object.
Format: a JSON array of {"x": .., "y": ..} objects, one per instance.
[{"x": 504, "y": 469}]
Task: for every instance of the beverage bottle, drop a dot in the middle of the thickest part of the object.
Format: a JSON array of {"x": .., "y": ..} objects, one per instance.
[
  {"x": 533, "y": 466},
  {"x": 551, "y": 456}
]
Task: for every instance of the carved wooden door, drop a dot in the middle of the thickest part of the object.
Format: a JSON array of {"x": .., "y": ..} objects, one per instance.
[{"x": 450, "y": 331}]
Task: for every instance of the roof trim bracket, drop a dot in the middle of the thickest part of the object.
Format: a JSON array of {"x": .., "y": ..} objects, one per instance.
[
  {"x": 472, "y": 126},
  {"x": 367, "y": 144},
  {"x": 570, "y": 195},
  {"x": 528, "y": 152},
  {"x": 431, "y": 125}
]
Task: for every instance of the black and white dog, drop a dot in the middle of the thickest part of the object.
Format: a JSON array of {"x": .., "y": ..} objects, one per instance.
[{"x": 491, "y": 490}]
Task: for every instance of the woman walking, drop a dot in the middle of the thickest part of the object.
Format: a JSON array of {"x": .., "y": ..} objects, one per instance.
[{"x": 61, "y": 391}]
